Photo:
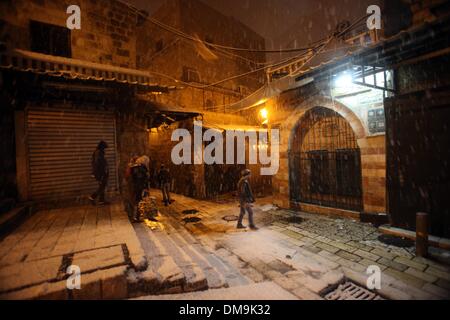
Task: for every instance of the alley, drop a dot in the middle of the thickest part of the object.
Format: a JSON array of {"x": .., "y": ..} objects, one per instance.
[
  {"x": 325, "y": 122},
  {"x": 195, "y": 250},
  {"x": 305, "y": 254}
]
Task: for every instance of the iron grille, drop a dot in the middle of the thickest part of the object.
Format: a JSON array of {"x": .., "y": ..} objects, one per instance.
[
  {"x": 325, "y": 162},
  {"x": 351, "y": 291}
]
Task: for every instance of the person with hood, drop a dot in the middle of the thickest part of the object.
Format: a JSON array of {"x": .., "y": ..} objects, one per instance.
[
  {"x": 246, "y": 199},
  {"x": 164, "y": 183},
  {"x": 140, "y": 181},
  {"x": 100, "y": 172}
]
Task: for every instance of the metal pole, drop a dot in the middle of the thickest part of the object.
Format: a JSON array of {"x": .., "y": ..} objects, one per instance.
[{"x": 421, "y": 234}]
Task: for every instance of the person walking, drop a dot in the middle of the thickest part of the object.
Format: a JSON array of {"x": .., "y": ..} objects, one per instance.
[
  {"x": 246, "y": 199},
  {"x": 164, "y": 183},
  {"x": 100, "y": 172},
  {"x": 140, "y": 180}
]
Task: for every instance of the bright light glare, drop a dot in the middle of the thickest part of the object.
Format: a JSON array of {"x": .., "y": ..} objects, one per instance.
[
  {"x": 264, "y": 113},
  {"x": 344, "y": 80},
  {"x": 260, "y": 102}
]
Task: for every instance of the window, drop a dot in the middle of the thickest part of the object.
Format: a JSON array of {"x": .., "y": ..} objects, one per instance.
[
  {"x": 243, "y": 90},
  {"x": 50, "y": 39},
  {"x": 190, "y": 75},
  {"x": 376, "y": 120}
]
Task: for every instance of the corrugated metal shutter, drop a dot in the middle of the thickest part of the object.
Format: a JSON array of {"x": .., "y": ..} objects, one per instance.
[{"x": 61, "y": 144}]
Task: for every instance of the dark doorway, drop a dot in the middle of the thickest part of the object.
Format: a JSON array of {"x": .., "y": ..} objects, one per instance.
[
  {"x": 325, "y": 161},
  {"x": 418, "y": 153},
  {"x": 221, "y": 179}
]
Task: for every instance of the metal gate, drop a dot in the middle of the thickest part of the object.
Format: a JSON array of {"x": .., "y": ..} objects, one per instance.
[
  {"x": 60, "y": 147},
  {"x": 325, "y": 162}
]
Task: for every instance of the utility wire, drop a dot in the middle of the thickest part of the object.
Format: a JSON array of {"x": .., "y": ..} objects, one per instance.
[
  {"x": 321, "y": 44},
  {"x": 229, "y": 78},
  {"x": 192, "y": 38}
]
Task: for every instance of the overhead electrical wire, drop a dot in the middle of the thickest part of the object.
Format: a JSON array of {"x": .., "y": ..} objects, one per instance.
[
  {"x": 192, "y": 38},
  {"x": 318, "y": 48}
]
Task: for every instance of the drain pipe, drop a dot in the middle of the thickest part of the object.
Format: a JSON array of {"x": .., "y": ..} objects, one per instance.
[{"x": 421, "y": 234}]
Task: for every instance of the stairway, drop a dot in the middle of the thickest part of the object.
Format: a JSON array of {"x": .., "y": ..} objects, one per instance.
[{"x": 178, "y": 261}]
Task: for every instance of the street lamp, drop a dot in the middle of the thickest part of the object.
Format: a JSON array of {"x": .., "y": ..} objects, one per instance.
[
  {"x": 264, "y": 115},
  {"x": 344, "y": 80}
]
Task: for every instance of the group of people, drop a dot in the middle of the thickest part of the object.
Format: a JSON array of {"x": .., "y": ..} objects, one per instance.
[
  {"x": 137, "y": 176},
  {"x": 138, "y": 181}
]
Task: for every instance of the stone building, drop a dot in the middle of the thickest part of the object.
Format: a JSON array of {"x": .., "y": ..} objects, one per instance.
[
  {"x": 194, "y": 66},
  {"x": 351, "y": 127},
  {"x": 63, "y": 91}
]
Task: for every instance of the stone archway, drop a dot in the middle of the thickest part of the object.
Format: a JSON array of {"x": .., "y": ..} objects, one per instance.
[
  {"x": 293, "y": 121},
  {"x": 325, "y": 161},
  {"x": 280, "y": 181}
]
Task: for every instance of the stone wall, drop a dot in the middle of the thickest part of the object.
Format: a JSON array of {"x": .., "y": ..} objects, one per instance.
[
  {"x": 132, "y": 140},
  {"x": 373, "y": 164},
  {"x": 162, "y": 52},
  {"x": 166, "y": 53},
  {"x": 286, "y": 112},
  {"x": 107, "y": 35}
]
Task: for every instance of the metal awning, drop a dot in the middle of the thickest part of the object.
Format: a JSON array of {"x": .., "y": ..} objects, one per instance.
[
  {"x": 61, "y": 68},
  {"x": 160, "y": 113},
  {"x": 210, "y": 124},
  {"x": 417, "y": 41}
]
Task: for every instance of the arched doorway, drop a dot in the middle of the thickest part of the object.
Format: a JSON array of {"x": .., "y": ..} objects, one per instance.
[{"x": 325, "y": 161}]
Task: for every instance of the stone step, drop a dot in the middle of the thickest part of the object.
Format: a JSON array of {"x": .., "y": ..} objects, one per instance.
[
  {"x": 194, "y": 275},
  {"x": 191, "y": 247},
  {"x": 162, "y": 274},
  {"x": 219, "y": 272}
]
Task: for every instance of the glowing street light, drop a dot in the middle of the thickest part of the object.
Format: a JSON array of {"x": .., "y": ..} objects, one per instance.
[
  {"x": 344, "y": 80},
  {"x": 264, "y": 115}
]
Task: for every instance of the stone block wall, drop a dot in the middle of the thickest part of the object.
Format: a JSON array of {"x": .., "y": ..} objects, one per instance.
[
  {"x": 373, "y": 164},
  {"x": 290, "y": 107},
  {"x": 132, "y": 140},
  {"x": 168, "y": 54},
  {"x": 186, "y": 179},
  {"x": 107, "y": 35},
  {"x": 164, "y": 53}
]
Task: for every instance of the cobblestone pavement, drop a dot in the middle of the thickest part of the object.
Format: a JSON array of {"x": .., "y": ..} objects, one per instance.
[
  {"x": 100, "y": 240},
  {"x": 193, "y": 252},
  {"x": 308, "y": 254}
]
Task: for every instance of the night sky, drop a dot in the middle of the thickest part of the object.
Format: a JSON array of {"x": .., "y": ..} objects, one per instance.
[{"x": 280, "y": 21}]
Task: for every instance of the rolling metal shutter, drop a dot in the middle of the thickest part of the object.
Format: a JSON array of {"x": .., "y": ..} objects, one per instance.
[{"x": 60, "y": 147}]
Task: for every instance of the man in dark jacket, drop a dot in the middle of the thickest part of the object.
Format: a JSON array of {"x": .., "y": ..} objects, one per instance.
[
  {"x": 164, "y": 182},
  {"x": 140, "y": 180},
  {"x": 246, "y": 199},
  {"x": 100, "y": 172}
]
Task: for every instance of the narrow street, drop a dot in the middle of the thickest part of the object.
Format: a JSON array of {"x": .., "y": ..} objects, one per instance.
[
  {"x": 192, "y": 252},
  {"x": 305, "y": 254}
]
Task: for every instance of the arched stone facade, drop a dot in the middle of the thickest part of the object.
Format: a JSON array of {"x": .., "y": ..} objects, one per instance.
[{"x": 373, "y": 155}]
